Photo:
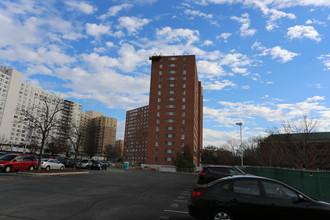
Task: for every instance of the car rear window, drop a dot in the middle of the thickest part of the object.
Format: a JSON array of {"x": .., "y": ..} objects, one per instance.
[
  {"x": 8, "y": 157},
  {"x": 219, "y": 169}
]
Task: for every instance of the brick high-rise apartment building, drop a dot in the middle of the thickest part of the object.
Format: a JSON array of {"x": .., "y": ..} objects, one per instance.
[{"x": 175, "y": 111}]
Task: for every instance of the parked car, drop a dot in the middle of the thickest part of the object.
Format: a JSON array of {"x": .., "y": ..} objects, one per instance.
[
  {"x": 212, "y": 172},
  {"x": 99, "y": 165},
  {"x": 253, "y": 197},
  {"x": 51, "y": 164},
  {"x": 86, "y": 164},
  {"x": 69, "y": 162},
  {"x": 16, "y": 162}
]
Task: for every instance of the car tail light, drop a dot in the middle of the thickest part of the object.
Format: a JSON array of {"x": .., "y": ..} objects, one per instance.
[
  {"x": 202, "y": 174},
  {"x": 195, "y": 194}
]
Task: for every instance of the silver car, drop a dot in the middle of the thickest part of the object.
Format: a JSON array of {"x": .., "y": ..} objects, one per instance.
[{"x": 48, "y": 164}]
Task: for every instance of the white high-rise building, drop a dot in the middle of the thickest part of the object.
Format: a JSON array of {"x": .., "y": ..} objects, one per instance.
[{"x": 16, "y": 95}]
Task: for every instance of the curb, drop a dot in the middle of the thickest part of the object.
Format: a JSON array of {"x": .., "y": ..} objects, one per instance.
[{"x": 57, "y": 173}]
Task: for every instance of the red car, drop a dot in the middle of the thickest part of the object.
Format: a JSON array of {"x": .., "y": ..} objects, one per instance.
[{"x": 11, "y": 162}]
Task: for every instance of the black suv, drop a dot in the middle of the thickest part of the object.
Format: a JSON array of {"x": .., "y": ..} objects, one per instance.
[{"x": 214, "y": 172}]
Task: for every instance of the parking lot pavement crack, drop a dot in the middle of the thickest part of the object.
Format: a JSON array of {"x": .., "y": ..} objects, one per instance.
[
  {"x": 15, "y": 217},
  {"x": 85, "y": 209}
]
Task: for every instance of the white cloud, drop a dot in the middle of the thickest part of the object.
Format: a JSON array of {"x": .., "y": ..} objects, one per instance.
[
  {"x": 169, "y": 35},
  {"x": 96, "y": 30},
  {"x": 81, "y": 6},
  {"x": 273, "y": 3},
  {"x": 218, "y": 85},
  {"x": 198, "y": 14},
  {"x": 245, "y": 21},
  {"x": 325, "y": 60},
  {"x": 314, "y": 21},
  {"x": 209, "y": 70},
  {"x": 217, "y": 138},
  {"x": 114, "y": 10},
  {"x": 273, "y": 14},
  {"x": 301, "y": 31},
  {"x": 132, "y": 24},
  {"x": 270, "y": 112},
  {"x": 237, "y": 62},
  {"x": 276, "y": 52},
  {"x": 224, "y": 36},
  {"x": 110, "y": 44},
  {"x": 208, "y": 43}
]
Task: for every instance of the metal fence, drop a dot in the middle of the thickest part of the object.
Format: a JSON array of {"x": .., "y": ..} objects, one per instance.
[{"x": 315, "y": 184}]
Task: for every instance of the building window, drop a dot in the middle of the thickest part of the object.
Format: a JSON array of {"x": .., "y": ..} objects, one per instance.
[
  {"x": 170, "y": 128},
  {"x": 168, "y": 159},
  {"x": 183, "y": 99},
  {"x": 173, "y": 65},
  {"x": 183, "y": 122},
  {"x": 172, "y": 71},
  {"x": 158, "y": 114},
  {"x": 159, "y": 86},
  {"x": 171, "y": 99},
  {"x": 184, "y": 78},
  {"x": 170, "y": 106},
  {"x": 171, "y": 85},
  {"x": 172, "y": 58},
  {"x": 184, "y": 72},
  {"x": 183, "y": 114},
  {"x": 182, "y": 136},
  {"x": 159, "y": 92},
  {"x": 170, "y": 120},
  {"x": 184, "y": 92},
  {"x": 170, "y": 135},
  {"x": 159, "y": 99},
  {"x": 184, "y": 85},
  {"x": 169, "y": 143},
  {"x": 161, "y": 66},
  {"x": 171, "y": 78},
  {"x": 183, "y": 106},
  {"x": 170, "y": 113},
  {"x": 169, "y": 151},
  {"x": 171, "y": 92},
  {"x": 160, "y": 73}
]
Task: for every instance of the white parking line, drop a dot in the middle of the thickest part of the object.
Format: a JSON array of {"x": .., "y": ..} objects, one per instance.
[{"x": 174, "y": 211}]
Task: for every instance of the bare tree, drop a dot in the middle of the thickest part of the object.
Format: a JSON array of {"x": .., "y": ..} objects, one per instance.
[
  {"x": 43, "y": 119},
  {"x": 77, "y": 137},
  {"x": 299, "y": 145},
  {"x": 3, "y": 140}
]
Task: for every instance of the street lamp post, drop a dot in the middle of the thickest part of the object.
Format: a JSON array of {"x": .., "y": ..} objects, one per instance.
[{"x": 241, "y": 146}]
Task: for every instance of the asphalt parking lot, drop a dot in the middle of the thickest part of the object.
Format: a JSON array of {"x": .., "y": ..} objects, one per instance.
[{"x": 110, "y": 194}]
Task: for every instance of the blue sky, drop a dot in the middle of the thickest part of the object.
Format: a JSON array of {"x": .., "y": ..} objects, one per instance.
[{"x": 261, "y": 62}]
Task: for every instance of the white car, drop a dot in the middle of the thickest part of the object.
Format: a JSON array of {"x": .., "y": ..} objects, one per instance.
[{"x": 48, "y": 163}]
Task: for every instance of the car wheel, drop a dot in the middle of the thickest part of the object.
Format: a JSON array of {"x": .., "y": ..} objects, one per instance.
[
  {"x": 61, "y": 168},
  {"x": 47, "y": 167},
  {"x": 7, "y": 169},
  {"x": 221, "y": 214},
  {"x": 31, "y": 168}
]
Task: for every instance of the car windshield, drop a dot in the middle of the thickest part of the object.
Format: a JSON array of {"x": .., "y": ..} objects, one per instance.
[
  {"x": 45, "y": 159},
  {"x": 84, "y": 161},
  {"x": 8, "y": 157}
]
